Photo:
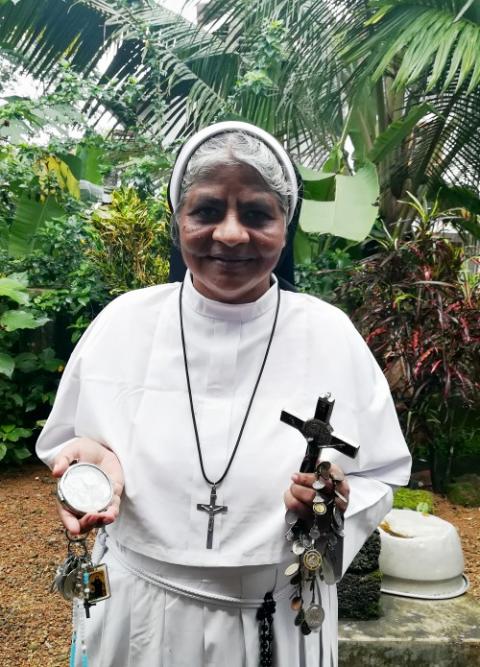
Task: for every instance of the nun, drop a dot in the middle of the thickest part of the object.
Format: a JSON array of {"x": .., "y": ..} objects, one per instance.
[{"x": 176, "y": 392}]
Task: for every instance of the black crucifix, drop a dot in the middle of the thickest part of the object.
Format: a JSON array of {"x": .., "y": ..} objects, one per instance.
[
  {"x": 212, "y": 509},
  {"x": 318, "y": 433}
]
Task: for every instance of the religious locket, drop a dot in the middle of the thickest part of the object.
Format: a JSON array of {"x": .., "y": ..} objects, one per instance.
[{"x": 84, "y": 488}]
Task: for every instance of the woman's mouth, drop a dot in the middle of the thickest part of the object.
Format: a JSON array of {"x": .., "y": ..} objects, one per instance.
[{"x": 230, "y": 260}]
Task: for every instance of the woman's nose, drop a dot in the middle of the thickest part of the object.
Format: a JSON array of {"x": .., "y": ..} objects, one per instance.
[{"x": 231, "y": 230}]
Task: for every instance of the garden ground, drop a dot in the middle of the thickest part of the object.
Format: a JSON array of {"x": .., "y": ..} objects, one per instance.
[{"x": 34, "y": 623}]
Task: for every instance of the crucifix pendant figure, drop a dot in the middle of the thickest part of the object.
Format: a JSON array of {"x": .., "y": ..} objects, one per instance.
[{"x": 212, "y": 509}]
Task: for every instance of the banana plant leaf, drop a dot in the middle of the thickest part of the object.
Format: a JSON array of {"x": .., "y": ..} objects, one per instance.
[
  {"x": 353, "y": 210},
  {"x": 302, "y": 248},
  {"x": 63, "y": 175},
  {"x": 90, "y": 159},
  {"x": 30, "y": 215}
]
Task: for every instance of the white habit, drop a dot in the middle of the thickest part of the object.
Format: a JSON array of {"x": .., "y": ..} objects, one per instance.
[{"x": 125, "y": 387}]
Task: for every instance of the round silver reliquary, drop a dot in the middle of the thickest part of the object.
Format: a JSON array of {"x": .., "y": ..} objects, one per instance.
[{"x": 85, "y": 489}]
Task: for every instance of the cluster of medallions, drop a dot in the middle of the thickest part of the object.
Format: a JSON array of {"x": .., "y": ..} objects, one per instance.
[
  {"x": 78, "y": 577},
  {"x": 83, "y": 488},
  {"x": 314, "y": 544}
]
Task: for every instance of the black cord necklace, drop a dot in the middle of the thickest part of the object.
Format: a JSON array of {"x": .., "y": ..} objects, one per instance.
[{"x": 212, "y": 508}]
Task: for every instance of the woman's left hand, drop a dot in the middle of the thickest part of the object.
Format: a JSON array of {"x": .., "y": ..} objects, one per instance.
[{"x": 299, "y": 497}]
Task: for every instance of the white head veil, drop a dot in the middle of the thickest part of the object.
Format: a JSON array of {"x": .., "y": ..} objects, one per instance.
[{"x": 189, "y": 148}]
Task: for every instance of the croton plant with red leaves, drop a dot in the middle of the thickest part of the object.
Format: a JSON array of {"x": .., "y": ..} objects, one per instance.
[{"x": 418, "y": 307}]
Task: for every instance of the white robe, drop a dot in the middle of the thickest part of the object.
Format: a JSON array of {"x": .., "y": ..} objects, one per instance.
[{"x": 125, "y": 386}]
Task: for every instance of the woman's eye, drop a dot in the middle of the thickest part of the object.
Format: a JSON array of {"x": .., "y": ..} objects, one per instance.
[
  {"x": 207, "y": 213},
  {"x": 255, "y": 216}
]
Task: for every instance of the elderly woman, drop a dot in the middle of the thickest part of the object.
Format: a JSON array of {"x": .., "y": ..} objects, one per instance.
[{"x": 176, "y": 392}]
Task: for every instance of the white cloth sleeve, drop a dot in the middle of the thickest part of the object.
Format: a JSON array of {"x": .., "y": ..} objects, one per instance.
[{"x": 59, "y": 429}]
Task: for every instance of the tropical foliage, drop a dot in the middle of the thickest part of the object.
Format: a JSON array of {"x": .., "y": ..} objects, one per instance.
[
  {"x": 377, "y": 101},
  {"x": 68, "y": 245},
  {"x": 28, "y": 376},
  {"x": 130, "y": 242},
  {"x": 417, "y": 304},
  {"x": 321, "y": 75}
]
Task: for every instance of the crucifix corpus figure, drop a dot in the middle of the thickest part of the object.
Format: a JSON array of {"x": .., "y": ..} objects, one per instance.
[{"x": 212, "y": 508}]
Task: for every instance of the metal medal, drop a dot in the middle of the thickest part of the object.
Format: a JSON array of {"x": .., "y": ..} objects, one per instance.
[
  {"x": 290, "y": 518},
  {"x": 306, "y": 541},
  {"x": 296, "y": 603},
  {"x": 314, "y": 616},
  {"x": 318, "y": 485},
  {"x": 292, "y": 569},
  {"x": 63, "y": 570},
  {"x": 323, "y": 469},
  {"x": 72, "y": 584},
  {"x": 84, "y": 488},
  {"x": 319, "y": 508},
  {"x": 298, "y": 548},
  {"x": 314, "y": 533},
  {"x": 289, "y": 535},
  {"x": 312, "y": 560}
]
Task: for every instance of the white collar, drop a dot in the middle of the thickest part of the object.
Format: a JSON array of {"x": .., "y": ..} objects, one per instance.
[{"x": 233, "y": 312}]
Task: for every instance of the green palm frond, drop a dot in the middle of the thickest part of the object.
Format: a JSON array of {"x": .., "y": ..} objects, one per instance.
[
  {"x": 430, "y": 38},
  {"x": 42, "y": 33},
  {"x": 350, "y": 67}
]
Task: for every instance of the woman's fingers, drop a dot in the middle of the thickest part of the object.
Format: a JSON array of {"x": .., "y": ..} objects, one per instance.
[
  {"x": 62, "y": 462},
  {"x": 86, "y": 450},
  {"x": 69, "y": 520},
  {"x": 300, "y": 495},
  {"x": 304, "y": 511}
]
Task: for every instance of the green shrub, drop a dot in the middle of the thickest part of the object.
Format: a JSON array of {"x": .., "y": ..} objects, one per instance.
[
  {"x": 411, "y": 499},
  {"x": 130, "y": 242},
  {"x": 28, "y": 376}
]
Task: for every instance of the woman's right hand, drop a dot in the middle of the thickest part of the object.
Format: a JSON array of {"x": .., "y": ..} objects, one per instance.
[{"x": 85, "y": 450}]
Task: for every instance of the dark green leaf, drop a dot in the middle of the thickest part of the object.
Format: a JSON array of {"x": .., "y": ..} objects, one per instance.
[
  {"x": 12, "y": 320},
  {"x": 14, "y": 290},
  {"x": 7, "y": 364},
  {"x": 21, "y": 453},
  {"x": 30, "y": 215}
]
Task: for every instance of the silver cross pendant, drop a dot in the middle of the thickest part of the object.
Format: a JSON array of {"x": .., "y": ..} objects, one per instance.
[{"x": 212, "y": 508}]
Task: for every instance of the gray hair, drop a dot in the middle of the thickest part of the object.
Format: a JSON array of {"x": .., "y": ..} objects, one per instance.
[{"x": 235, "y": 148}]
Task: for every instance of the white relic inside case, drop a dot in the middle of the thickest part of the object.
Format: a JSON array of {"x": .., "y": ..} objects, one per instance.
[{"x": 85, "y": 488}]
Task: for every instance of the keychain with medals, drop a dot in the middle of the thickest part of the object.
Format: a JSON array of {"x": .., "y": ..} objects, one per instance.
[
  {"x": 314, "y": 542},
  {"x": 83, "y": 488}
]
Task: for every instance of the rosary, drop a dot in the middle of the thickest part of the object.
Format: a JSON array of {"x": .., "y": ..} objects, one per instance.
[{"x": 314, "y": 542}]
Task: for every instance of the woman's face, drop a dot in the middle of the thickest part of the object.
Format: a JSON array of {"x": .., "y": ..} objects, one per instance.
[{"x": 231, "y": 232}]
